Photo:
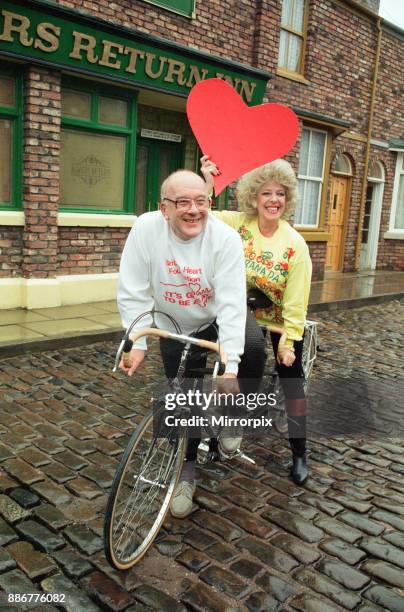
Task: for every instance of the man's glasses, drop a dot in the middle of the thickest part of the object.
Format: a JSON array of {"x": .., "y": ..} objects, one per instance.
[{"x": 200, "y": 202}]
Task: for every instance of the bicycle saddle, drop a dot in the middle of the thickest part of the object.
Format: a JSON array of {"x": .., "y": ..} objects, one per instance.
[{"x": 257, "y": 299}]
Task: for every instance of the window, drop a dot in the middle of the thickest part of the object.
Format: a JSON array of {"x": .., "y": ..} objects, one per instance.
[
  {"x": 342, "y": 165},
  {"x": 182, "y": 7},
  {"x": 397, "y": 209},
  {"x": 97, "y": 149},
  {"x": 10, "y": 139},
  {"x": 311, "y": 171},
  {"x": 292, "y": 36}
]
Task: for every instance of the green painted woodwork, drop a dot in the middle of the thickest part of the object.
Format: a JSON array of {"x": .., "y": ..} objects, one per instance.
[
  {"x": 13, "y": 113},
  {"x": 94, "y": 126},
  {"x": 61, "y": 38}
]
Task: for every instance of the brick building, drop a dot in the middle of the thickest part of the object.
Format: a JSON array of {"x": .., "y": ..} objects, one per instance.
[{"x": 92, "y": 118}]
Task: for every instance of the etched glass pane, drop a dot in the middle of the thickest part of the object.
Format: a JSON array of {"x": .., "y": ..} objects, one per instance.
[
  {"x": 7, "y": 91},
  {"x": 76, "y": 104},
  {"x": 92, "y": 170},
  {"x": 399, "y": 220},
  {"x": 342, "y": 164},
  {"x": 5, "y": 160},
  {"x": 317, "y": 148},
  {"x": 376, "y": 171},
  {"x": 141, "y": 176},
  {"x": 113, "y": 111}
]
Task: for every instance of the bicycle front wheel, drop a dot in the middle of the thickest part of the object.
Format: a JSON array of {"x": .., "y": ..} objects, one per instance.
[{"x": 141, "y": 491}]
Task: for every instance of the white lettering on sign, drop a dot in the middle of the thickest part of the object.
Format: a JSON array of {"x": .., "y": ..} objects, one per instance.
[{"x": 160, "y": 135}]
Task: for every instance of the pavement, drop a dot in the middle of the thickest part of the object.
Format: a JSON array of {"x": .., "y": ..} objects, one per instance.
[
  {"x": 254, "y": 541},
  {"x": 46, "y": 328}
]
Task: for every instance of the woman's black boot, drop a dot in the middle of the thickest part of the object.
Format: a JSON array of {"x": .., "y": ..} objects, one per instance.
[
  {"x": 297, "y": 441},
  {"x": 299, "y": 471}
]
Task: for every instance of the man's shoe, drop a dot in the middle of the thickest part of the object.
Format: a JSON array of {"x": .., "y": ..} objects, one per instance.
[
  {"x": 228, "y": 446},
  {"x": 181, "y": 501},
  {"x": 299, "y": 471}
]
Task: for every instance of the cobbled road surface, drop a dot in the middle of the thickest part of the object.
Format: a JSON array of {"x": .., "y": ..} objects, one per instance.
[{"x": 254, "y": 542}]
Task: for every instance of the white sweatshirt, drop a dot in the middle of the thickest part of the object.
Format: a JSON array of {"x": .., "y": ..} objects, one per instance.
[{"x": 195, "y": 281}]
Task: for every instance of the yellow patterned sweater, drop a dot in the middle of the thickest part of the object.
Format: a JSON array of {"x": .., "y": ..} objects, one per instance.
[{"x": 280, "y": 267}]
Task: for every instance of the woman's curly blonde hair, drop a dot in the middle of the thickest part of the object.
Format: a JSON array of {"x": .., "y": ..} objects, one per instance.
[{"x": 279, "y": 171}]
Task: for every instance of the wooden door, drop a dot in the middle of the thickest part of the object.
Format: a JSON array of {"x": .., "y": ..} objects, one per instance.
[{"x": 339, "y": 197}]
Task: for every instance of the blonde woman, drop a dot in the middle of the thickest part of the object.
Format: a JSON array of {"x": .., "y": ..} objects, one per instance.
[{"x": 278, "y": 264}]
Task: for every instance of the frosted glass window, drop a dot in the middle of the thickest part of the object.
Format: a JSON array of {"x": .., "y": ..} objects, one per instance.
[
  {"x": 342, "y": 165},
  {"x": 76, "y": 104},
  {"x": 92, "y": 170},
  {"x": 376, "y": 171},
  {"x": 113, "y": 111},
  {"x": 7, "y": 91},
  {"x": 6, "y": 139}
]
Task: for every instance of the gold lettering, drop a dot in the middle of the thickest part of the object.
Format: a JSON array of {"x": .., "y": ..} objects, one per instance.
[
  {"x": 21, "y": 27},
  {"x": 108, "y": 54},
  {"x": 134, "y": 54},
  {"x": 195, "y": 76},
  {"x": 175, "y": 69},
  {"x": 149, "y": 64},
  {"x": 83, "y": 42},
  {"x": 51, "y": 37},
  {"x": 247, "y": 89}
]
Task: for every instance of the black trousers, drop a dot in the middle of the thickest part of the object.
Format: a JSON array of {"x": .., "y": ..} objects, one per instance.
[
  {"x": 250, "y": 371},
  {"x": 291, "y": 377}
]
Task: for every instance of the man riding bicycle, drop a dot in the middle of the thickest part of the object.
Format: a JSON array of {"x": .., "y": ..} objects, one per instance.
[{"x": 182, "y": 261}]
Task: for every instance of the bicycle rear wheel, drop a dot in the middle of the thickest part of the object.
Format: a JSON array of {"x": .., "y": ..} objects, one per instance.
[{"x": 141, "y": 491}]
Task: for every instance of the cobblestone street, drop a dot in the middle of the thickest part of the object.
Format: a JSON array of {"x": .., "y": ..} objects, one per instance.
[{"x": 255, "y": 540}]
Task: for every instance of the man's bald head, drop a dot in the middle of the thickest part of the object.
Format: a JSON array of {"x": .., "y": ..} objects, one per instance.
[{"x": 181, "y": 179}]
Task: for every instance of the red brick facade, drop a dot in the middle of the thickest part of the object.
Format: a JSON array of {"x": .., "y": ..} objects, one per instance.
[{"x": 339, "y": 61}]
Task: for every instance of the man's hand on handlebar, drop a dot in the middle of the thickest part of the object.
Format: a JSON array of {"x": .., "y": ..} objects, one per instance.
[
  {"x": 136, "y": 357},
  {"x": 228, "y": 383},
  {"x": 287, "y": 358}
]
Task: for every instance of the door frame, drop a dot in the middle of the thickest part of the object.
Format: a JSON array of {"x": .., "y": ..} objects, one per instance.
[
  {"x": 348, "y": 178},
  {"x": 374, "y": 223}
]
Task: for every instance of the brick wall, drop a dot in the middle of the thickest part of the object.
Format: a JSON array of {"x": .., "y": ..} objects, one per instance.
[
  {"x": 223, "y": 28},
  {"x": 10, "y": 251},
  {"x": 41, "y": 171},
  {"x": 317, "y": 253},
  {"x": 87, "y": 250}
]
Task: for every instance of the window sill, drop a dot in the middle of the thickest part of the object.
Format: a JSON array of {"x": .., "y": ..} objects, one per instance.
[
  {"x": 12, "y": 217},
  {"x": 292, "y": 76},
  {"x": 394, "y": 235},
  {"x": 95, "y": 220},
  {"x": 313, "y": 235}
]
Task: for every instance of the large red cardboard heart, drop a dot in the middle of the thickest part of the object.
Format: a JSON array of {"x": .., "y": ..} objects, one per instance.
[{"x": 238, "y": 138}]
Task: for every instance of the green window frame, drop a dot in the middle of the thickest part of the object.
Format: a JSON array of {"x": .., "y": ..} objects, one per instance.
[
  {"x": 181, "y": 7},
  {"x": 12, "y": 116},
  {"x": 95, "y": 127}
]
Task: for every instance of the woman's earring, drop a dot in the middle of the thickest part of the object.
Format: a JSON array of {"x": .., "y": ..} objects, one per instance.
[{"x": 254, "y": 204}]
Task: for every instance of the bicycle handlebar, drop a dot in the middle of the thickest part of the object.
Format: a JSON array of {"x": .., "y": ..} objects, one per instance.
[{"x": 162, "y": 333}]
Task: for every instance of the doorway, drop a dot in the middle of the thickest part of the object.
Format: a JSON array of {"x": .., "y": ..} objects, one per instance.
[
  {"x": 372, "y": 215},
  {"x": 338, "y": 206},
  {"x": 155, "y": 160}
]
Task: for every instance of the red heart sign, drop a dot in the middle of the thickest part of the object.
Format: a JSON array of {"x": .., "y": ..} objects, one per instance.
[{"x": 238, "y": 138}]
